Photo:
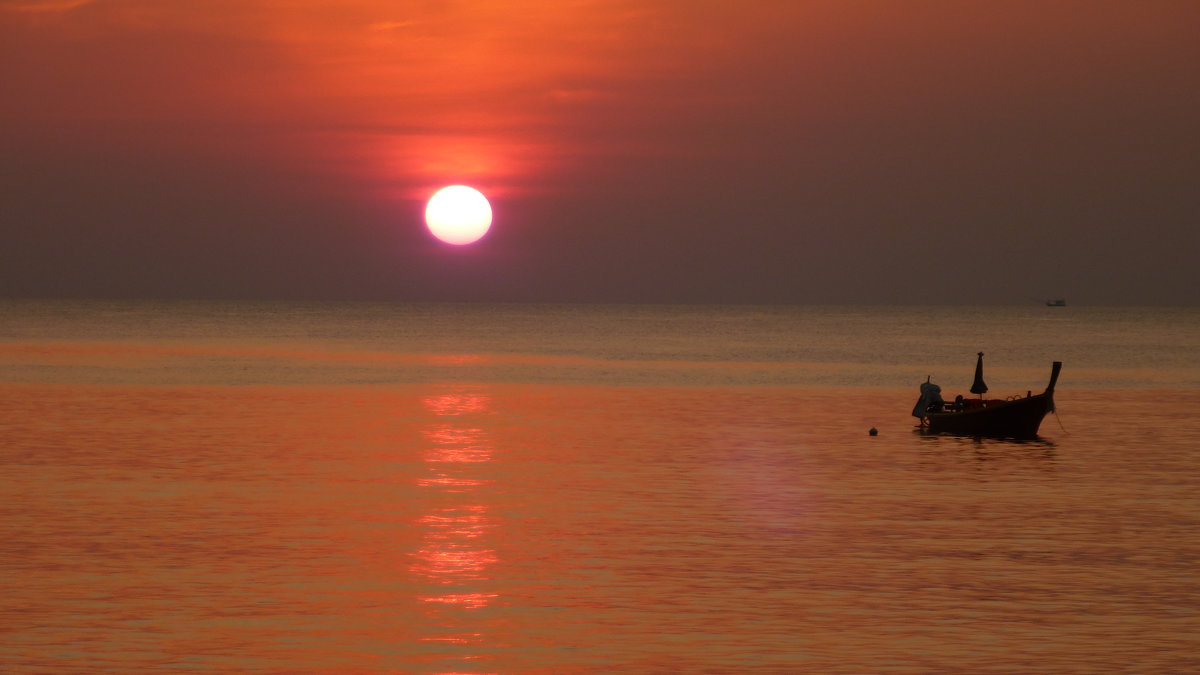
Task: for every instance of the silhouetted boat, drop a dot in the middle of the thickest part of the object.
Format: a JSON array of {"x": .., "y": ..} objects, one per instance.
[
  {"x": 1015, "y": 417},
  {"x": 1056, "y": 303}
]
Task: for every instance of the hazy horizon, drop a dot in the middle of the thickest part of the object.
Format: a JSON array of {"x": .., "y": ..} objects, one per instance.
[{"x": 585, "y": 302}]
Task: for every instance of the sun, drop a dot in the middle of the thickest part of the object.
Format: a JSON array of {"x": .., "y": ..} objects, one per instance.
[{"x": 458, "y": 215}]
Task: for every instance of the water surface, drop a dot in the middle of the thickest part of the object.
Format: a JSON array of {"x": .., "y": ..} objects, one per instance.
[{"x": 589, "y": 489}]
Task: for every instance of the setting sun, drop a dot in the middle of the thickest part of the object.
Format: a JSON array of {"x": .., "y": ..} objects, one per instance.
[{"x": 458, "y": 215}]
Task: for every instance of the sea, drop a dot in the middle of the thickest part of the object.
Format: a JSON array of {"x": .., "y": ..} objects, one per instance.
[{"x": 485, "y": 488}]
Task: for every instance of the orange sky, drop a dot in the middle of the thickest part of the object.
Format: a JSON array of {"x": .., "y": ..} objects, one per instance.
[{"x": 713, "y": 151}]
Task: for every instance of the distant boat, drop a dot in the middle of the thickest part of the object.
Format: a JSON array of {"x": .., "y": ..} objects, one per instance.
[
  {"x": 1015, "y": 417},
  {"x": 1056, "y": 303}
]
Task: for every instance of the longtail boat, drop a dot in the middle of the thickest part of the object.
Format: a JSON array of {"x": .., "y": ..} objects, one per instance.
[{"x": 1013, "y": 417}]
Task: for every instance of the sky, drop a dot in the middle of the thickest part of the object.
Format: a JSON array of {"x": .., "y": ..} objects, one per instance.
[{"x": 764, "y": 151}]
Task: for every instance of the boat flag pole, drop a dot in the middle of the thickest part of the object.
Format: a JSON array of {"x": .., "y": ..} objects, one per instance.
[{"x": 979, "y": 387}]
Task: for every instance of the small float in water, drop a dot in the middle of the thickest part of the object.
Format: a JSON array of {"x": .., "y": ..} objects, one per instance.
[{"x": 1014, "y": 417}]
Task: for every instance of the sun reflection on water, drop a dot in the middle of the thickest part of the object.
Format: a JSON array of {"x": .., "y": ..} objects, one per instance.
[
  {"x": 454, "y": 557},
  {"x": 453, "y": 550},
  {"x": 456, "y": 445}
]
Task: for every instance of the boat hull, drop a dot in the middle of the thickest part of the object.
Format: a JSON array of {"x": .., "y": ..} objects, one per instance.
[{"x": 1018, "y": 418}]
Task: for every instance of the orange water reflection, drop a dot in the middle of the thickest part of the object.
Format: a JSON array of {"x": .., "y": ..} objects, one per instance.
[
  {"x": 454, "y": 557},
  {"x": 453, "y": 550}
]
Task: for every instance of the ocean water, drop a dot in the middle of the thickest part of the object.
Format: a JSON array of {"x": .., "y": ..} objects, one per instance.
[{"x": 238, "y": 487}]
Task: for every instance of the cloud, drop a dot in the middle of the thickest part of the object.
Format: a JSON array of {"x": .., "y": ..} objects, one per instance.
[
  {"x": 391, "y": 25},
  {"x": 44, "y": 5}
]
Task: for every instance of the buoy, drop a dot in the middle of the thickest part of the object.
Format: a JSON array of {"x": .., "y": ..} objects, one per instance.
[{"x": 873, "y": 431}]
